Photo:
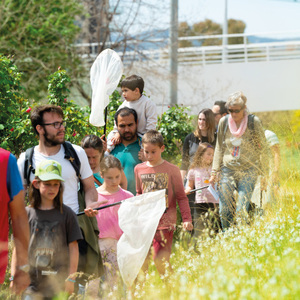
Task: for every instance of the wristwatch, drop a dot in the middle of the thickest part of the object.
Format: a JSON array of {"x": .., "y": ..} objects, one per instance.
[{"x": 24, "y": 268}]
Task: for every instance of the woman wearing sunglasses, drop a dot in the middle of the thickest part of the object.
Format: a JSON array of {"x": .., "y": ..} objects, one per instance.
[{"x": 241, "y": 147}]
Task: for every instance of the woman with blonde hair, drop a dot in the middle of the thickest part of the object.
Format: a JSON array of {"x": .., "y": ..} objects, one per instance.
[{"x": 241, "y": 149}]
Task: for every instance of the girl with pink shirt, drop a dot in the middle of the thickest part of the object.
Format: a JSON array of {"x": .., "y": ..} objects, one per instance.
[
  {"x": 206, "y": 207},
  {"x": 108, "y": 222}
]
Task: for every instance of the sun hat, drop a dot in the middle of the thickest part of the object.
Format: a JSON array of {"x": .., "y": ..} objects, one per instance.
[{"x": 48, "y": 170}]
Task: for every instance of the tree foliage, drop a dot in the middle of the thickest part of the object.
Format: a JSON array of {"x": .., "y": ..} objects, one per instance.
[
  {"x": 39, "y": 35},
  {"x": 208, "y": 27}
]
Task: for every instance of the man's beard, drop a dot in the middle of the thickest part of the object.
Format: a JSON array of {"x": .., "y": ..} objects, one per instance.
[
  {"x": 128, "y": 136},
  {"x": 50, "y": 140}
]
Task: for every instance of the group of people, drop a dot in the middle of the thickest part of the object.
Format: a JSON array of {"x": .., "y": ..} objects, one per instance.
[{"x": 65, "y": 179}]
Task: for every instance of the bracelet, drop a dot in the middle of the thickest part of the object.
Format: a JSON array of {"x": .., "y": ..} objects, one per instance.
[
  {"x": 11, "y": 278},
  {"x": 71, "y": 280}
]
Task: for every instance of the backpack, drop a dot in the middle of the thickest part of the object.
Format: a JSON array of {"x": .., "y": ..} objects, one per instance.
[{"x": 70, "y": 154}]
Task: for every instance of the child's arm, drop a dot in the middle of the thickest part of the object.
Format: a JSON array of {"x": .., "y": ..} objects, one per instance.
[
  {"x": 116, "y": 139},
  {"x": 138, "y": 183},
  {"x": 151, "y": 116},
  {"x": 191, "y": 185},
  {"x": 123, "y": 182},
  {"x": 182, "y": 200},
  {"x": 73, "y": 262}
]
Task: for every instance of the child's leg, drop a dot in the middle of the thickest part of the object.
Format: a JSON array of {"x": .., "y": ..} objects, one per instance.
[
  {"x": 162, "y": 246},
  {"x": 200, "y": 223},
  {"x": 108, "y": 249}
]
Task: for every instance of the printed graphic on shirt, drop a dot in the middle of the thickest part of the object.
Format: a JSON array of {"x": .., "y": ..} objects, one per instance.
[
  {"x": 44, "y": 242},
  {"x": 154, "y": 182}
]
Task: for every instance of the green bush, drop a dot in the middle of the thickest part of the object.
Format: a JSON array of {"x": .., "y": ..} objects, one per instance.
[{"x": 174, "y": 125}]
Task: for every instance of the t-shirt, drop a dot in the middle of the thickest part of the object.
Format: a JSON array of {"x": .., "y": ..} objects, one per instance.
[
  {"x": 129, "y": 158},
  {"x": 71, "y": 184},
  {"x": 201, "y": 178},
  {"x": 99, "y": 178},
  {"x": 271, "y": 137},
  {"x": 107, "y": 218},
  {"x": 165, "y": 176},
  {"x": 11, "y": 185},
  {"x": 50, "y": 234},
  {"x": 13, "y": 179}
]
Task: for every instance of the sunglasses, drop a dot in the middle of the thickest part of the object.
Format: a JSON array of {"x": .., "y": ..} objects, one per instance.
[{"x": 236, "y": 111}]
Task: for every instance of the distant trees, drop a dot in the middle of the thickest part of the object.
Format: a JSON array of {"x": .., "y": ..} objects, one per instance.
[
  {"x": 208, "y": 27},
  {"x": 39, "y": 37}
]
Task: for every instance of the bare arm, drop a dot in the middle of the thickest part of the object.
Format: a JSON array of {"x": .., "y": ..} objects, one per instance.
[
  {"x": 123, "y": 182},
  {"x": 183, "y": 174},
  {"x": 73, "y": 262},
  {"x": 191, "y": 185},
  {"x": 91, "y": 197},
  {"x": 21, "y": 241}
]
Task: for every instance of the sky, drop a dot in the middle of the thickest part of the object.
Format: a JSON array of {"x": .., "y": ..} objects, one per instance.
[{"x": 260, "y": 16}]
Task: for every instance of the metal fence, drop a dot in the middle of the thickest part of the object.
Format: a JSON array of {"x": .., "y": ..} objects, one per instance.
[{"x": 263, "y": 49}]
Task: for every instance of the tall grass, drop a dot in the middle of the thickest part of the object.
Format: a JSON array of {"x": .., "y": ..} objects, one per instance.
[{"x": 260, "y": 261}]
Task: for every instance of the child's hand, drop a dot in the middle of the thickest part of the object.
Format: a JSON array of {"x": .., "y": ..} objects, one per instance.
[
  {"x": 69, "y": 287},
  {"x": 90, "y": 211},
  {"x": 141, "y": 155},
  {"x": 187, "y": 190},
  {"x": 187, "y": 226},
  {"x": 116, "y": 139},
  {"x": 104, "y": 143}
]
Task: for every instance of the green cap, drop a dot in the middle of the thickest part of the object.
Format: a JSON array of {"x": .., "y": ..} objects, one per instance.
[{"x": 48, "y": 170}]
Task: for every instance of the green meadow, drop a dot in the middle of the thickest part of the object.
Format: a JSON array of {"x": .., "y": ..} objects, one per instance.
[{"x": 260, "y": 261}]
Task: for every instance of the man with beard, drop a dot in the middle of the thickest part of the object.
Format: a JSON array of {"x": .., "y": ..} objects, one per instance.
[
  {"x": 129, "y": 150},
  {"x": 48, "y": 123}
]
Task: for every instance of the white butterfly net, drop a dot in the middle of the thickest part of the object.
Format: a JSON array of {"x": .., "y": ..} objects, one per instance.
[
  {"x": 105, "y": 75},
  {"x": 138, "y": 218}
]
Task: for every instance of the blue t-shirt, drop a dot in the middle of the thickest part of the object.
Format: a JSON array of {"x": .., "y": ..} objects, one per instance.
[
  {"x": 99, "y": 178},
  {"x": 13, "y": 179},
  {"x": 129, "y": 158}
]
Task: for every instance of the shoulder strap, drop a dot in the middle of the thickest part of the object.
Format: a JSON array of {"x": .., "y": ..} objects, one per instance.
[
  {"x": 251, "y": 121},
  {"x": 28, "y": 167},
  {"x": 71, "y": 155},
  {"x": 97, "y": 181},
  {"x": 225, "y": 126},
  {"x": 254, "y": 134}
]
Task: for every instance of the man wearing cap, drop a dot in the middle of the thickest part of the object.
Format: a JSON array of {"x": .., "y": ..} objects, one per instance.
[{"x": 11, "y": 200}]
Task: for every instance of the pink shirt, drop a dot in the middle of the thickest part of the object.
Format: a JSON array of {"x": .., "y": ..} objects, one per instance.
[
  {"x": 107, "y": 218},
  {"x": 201, "y": 178}
]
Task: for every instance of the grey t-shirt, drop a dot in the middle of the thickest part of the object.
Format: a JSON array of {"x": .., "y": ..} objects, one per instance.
[{"x": 51, "y": 231}]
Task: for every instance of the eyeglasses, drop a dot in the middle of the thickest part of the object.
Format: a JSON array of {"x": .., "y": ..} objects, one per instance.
[
  {"x": 236, "y": 111},
  {"x": 56, "y": 125}
]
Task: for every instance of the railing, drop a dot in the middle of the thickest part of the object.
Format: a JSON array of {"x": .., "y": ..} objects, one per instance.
[{"x": 204, "y": 55}]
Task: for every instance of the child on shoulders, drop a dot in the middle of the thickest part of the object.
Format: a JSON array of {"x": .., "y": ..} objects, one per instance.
[
  {"x": 132, "y": 90},
  {"x": 156, "y": 174}
]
